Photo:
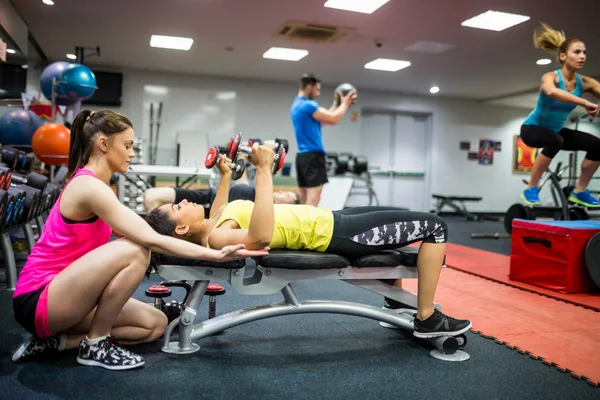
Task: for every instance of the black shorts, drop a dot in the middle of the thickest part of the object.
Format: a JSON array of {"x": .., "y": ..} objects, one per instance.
[
  {"x": 241, "y": 192},
  {"x": 207, "y": 196},
  {"x": 24, "y": 307},
  {"x": 311, "y": 169},
  {"x": 200, "y": 196}
]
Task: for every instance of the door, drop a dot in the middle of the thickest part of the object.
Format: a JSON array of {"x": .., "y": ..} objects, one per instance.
[
  {"x": 397, "y": 148},
  {"x": 410, "y": 158}
]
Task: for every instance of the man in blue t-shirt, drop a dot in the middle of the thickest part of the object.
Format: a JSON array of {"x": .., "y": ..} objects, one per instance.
[{"x": 307, "y": 118}]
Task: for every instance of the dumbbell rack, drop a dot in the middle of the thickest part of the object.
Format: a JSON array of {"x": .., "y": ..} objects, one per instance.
[
  {"x": 25, "y": 198},
  {"x": 131, "y": 193}
]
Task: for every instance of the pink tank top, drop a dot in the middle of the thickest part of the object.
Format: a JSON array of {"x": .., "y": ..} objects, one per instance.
[{"x": 60, "y": 244}]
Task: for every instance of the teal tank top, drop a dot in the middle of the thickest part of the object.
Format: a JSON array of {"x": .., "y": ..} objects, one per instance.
[{"x": 553, "y": 114}]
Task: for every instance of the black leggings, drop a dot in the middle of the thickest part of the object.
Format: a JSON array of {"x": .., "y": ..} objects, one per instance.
[
  {"x": 566, "y": 139},
  {"x": 359, "y": 231}
]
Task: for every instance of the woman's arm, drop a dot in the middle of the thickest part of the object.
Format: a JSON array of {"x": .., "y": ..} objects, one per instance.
[
  {"x": 96, "y": 197},
  {"x": 222, "y": 196},
  {"x": 262, "y": 221},
  {"x": 591, "y": 85},
  {"x": 549, "y": 88}
]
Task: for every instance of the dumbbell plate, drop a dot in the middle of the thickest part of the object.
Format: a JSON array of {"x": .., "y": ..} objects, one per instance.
[
  {"x": 278, "y": 164},
  {"x": 235, "y": 145},
  {"x": 211, "y": 157},
  {"x": 239, "y": 171}
]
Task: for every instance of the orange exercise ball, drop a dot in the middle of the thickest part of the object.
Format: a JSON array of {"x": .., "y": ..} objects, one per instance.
[{"x": 51, "y": 142}]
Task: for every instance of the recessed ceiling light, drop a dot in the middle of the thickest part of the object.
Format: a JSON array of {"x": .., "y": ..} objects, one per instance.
[
  {"x": 11, "y": 51},
  {"x": 171, "y": 42},
  {"x": 157, "y": 90},
  {"x": 24, "y": 66},
  {"x": 48, "y": 2},
  {"x": 280, "y": 53},
  {"x": 226, "y": 96},
  {"x": 71, "y": 56},
  {"x": 434, "y": 89},
  {"x": 543, "y": 61},
  {"x": 495, "y": 20},
  {"x": 384, "y": 64},
  {"x": 361, "y": 6}
]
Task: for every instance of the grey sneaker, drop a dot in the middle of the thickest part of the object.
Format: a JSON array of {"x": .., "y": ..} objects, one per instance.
[
  {"x": 35, "y": 347},
  {"x": 439, "y": 324},
  {"x": 108, "y": 354}
]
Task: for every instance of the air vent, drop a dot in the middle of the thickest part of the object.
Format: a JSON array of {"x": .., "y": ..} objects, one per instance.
[{"x": 310, "y": 32}]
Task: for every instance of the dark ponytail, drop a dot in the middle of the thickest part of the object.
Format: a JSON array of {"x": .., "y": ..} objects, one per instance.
[
  {"x": 77, "y": 145},
  {"x": 85, "y": 127}
]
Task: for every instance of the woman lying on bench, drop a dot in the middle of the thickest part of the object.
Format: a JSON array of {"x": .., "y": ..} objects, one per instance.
[{"x": 352, "y": 233}]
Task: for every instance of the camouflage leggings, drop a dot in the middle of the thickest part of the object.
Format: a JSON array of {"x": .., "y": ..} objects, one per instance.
[{"x": 358, "y": 231}]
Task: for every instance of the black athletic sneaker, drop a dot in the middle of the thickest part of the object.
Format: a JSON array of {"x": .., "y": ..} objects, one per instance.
[
  {"x": 34, "y": 347},
  {"x": 108, "y": 354},
  {"x": 391, "y": 304},
  {"x": 439, "y": 324}
]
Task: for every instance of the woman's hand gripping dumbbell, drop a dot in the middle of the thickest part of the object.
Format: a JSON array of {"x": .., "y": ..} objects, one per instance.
[
  {"x": 237, "y": 147},
  {"x": 224, "y": 164}
]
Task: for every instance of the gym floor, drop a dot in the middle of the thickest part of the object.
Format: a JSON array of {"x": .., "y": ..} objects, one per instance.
[{"x": 311, "y": 356}]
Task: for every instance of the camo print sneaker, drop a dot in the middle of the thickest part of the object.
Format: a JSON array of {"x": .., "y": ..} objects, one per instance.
[
  {"x": 439, "y": 324},
  {"x": 34, "y": 347},
  {"x": 108, "y": 354}
]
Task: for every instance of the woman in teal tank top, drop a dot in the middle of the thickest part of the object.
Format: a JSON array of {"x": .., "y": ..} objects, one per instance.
[{"x": 560, "y": 94}]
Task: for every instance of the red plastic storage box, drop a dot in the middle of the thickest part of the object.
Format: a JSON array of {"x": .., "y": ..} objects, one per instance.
[{"x": 550, "y": 254}]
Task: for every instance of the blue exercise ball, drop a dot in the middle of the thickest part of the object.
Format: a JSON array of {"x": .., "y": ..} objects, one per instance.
[
  {"x": 54, "y": 70},
  {"x": 18, "y": 126},
  {"x": 79, "y": 82}
]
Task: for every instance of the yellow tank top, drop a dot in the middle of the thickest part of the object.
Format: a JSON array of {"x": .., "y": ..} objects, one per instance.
[{"x": 297, "y": 227}]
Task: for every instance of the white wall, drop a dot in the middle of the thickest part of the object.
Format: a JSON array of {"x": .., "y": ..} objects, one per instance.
[{"x": 262, "y": 110}]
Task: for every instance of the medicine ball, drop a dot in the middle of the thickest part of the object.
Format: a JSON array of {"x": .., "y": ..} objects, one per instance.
[{"x": 343, "y": 90}]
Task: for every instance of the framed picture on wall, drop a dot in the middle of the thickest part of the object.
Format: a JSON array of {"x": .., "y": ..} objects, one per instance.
[{"x": 523, "y": 156}]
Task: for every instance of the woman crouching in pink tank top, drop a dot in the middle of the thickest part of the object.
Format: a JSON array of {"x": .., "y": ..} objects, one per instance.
[{"x": 76, "y": 286}]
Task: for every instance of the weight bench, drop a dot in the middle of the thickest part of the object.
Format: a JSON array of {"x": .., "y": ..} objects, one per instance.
[
  {"x": 276, "y": 272},
  {"x": 451, "y": 201}
]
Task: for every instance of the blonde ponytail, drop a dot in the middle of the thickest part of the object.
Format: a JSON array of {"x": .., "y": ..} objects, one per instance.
[{"x": 548, "y": 39}]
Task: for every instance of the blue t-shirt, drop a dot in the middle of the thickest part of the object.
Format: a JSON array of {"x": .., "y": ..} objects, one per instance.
[
  {"x": 306, "y": 128},
  {"x": 553, "y": 114}
]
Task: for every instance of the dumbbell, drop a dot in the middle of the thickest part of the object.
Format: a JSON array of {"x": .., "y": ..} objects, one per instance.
[
  {"x": 158, "y": 293},
  {"x": 172, "y": 309},
  {"x": 32, "y": 179},
  {"x": 237, "y": 146},
  {"x": 213, "y": 290},
  {"x": 212, "y": 158},
  {"x": 278, "y": 143},
  {"x": 6, "y": 172},
  {"x": 360, "y": 165}
]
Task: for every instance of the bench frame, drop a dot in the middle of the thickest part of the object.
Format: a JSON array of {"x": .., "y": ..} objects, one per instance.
[
  {"x": 265, "y": 281},
  {"x": 457, "y": 203}
]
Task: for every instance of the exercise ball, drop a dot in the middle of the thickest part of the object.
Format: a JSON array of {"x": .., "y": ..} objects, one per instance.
[
  {"x": 51, "y": 143},
  {"x": 18, "y": 126},
  {"x": 343, "y": 90},
  {"x": 55, "y": 70},
  {"x": 79, "y": 83}
]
